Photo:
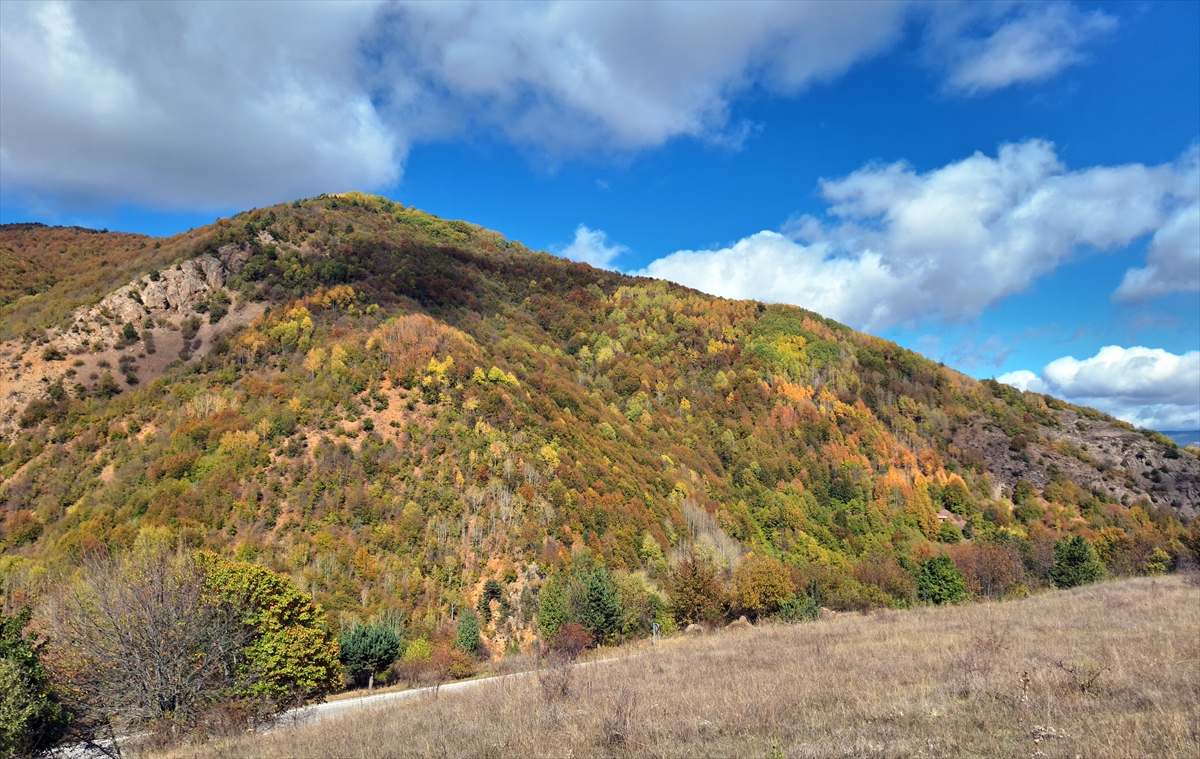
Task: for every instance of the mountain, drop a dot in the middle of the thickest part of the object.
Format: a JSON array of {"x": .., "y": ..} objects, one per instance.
[{"x": 396, "y": 408}]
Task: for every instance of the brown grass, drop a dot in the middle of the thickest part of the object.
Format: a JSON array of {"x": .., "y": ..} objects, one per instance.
[{"x": 1111, "y": 670}]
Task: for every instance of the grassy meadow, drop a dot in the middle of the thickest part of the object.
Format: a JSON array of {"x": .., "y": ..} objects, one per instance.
[{"x": 1108, "y": 670}]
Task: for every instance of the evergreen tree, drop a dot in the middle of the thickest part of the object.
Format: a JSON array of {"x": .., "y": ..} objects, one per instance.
[
  {"x": 598, "y": 609},
  {"x": 467, "y": 640},
  {"x": 367, "y": 649},
  {"x": 1075, "y": 563}
]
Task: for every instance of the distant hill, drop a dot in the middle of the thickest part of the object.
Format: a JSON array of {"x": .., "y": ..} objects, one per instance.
[
  {"x": 395, "y": 408},
  {"x": 1184, "y": 437}
]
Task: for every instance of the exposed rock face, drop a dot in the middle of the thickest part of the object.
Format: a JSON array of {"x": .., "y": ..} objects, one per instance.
[
  {"x": 1099, "y": 455},
  {"x": 175, "y": 293},
  {"x": 234, "y": 257}
]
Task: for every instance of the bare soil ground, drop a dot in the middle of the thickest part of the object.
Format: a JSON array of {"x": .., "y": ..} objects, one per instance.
[{"x": 1109, "y": 670}]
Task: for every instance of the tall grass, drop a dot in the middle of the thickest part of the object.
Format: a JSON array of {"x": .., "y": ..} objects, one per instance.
[{"x": 1109, "y": 670}]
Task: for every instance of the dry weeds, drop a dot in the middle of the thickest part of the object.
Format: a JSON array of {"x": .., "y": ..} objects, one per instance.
[{"x": 1111, "y": 670}]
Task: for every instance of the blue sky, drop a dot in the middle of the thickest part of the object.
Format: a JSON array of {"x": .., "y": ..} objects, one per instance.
[{"x": 1009, "y": 188}]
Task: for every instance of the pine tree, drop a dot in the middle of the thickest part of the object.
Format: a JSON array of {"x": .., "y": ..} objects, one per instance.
[
  {"x": 367, "y": 649},
  {"x": 1075, "y": 563},
  {"x": 467, "y": 640}
]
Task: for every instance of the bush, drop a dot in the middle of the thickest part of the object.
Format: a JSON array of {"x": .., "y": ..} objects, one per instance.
[
  {"x": 367, "y": 649},
  {"x": 32, "y": 720},
  {"x": 939, "y": 581},
  {"x": 696, "y": 592},
  {"x": 949, "y": 533},
  {"x": 189, "y": 327},
  {"x": 760, "y": 585},
  {"x": 1075, "y": 563}
]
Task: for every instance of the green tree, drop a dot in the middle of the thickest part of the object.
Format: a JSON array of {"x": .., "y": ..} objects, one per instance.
[
  {"x": 586, "y": 595},
  {"x": 467, "y": 638},
  {"x": 939, "y": 581},
  {"x": 291, "y": 656},
  {"x": 598, "y": 610},
  {"x": 32, "y": 720},
  {"x": 367, "y": 649},
  {"x": 492, "y": 591},
  {"x": 1075, "y": 563}
]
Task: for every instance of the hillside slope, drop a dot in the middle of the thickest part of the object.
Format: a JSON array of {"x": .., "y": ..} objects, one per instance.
[{"x": 395, "y": 408}]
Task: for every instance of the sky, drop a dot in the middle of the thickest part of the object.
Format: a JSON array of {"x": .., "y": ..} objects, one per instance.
[{"x": 1010, "y": 188}]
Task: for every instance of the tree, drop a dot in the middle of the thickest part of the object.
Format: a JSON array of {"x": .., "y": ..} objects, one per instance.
[
  {"x": 32, "y": 719},
  {"x": 597, "y": 607},
  {"x": 939, "y": 581},
  {"x": 585, "y": 595},
  {"x": 760, "y": 585},
  {"x": 467, "y": 638},
  {"x": 1075, "y": 563},
  {"x": 158, "y": 638},
  {"x": 492, "y": 591},
  {"x": 290, "y": 655},
  {"x": 696, "y": 592},
  {"x": 367, "y": 649},
  {"x": 137, "y": 642}
]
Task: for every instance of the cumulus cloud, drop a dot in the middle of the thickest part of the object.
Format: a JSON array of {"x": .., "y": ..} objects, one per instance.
[
  {"x": 1038, "y": 42},
  {"x": 1149, "y": 387},
  {"x": 897, "y": 246},
  {"x": 194, "y": 104},
  {"x": 178, "y": 105},
  {"x": 591, "y": 246},
  {"x": 1173, "y": 261}
]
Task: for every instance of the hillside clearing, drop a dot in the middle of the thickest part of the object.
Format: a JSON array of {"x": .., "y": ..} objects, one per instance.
[{"x": 1107, "y": 670}]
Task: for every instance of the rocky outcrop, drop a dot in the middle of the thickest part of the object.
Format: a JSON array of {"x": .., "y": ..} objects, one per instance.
[{"x": 168, "y": 294}]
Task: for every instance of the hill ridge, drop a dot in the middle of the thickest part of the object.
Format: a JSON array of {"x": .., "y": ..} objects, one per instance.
[{"x": 395, "y": 408}]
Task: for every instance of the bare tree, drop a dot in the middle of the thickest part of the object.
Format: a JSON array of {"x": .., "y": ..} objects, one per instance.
[{"x": 136, "y": 642}]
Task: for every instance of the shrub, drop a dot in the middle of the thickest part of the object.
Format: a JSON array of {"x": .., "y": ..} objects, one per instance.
[
  {"x": 189, "y": 327},
  {"x": 32, "y": 720},
  {"x": 418, "y": 650},
  {"x": 760, "y": 585},
  {"x": 53, "y": 354},
  {"x": 367, "y": 649},
  {"x": 949, "y": 533},
  {"x": 1075, "y": 563},
  {"x": 106, "y": 386},
  {"x": 696, "y": 592},
  {"x": 939, "y": 581}
]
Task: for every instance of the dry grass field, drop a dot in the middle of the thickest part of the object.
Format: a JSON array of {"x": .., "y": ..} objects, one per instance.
[{"x": 1110, "y": 670}]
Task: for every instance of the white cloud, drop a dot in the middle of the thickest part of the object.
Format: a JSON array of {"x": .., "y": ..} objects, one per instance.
[
  {"x": 1038, "y": 42},
  {"x": 1173, "y": 261},
  {"x": 1149, "y": 387},
  {"x": 177, "y": 105},
  {"x": 194, "y": 104},
  {"x": 898, "y": 246},
  {"x": 591, "y": 246}
]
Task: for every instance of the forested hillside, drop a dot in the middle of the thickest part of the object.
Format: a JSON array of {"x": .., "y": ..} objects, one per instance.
[{"x": 413, "y": 417}]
